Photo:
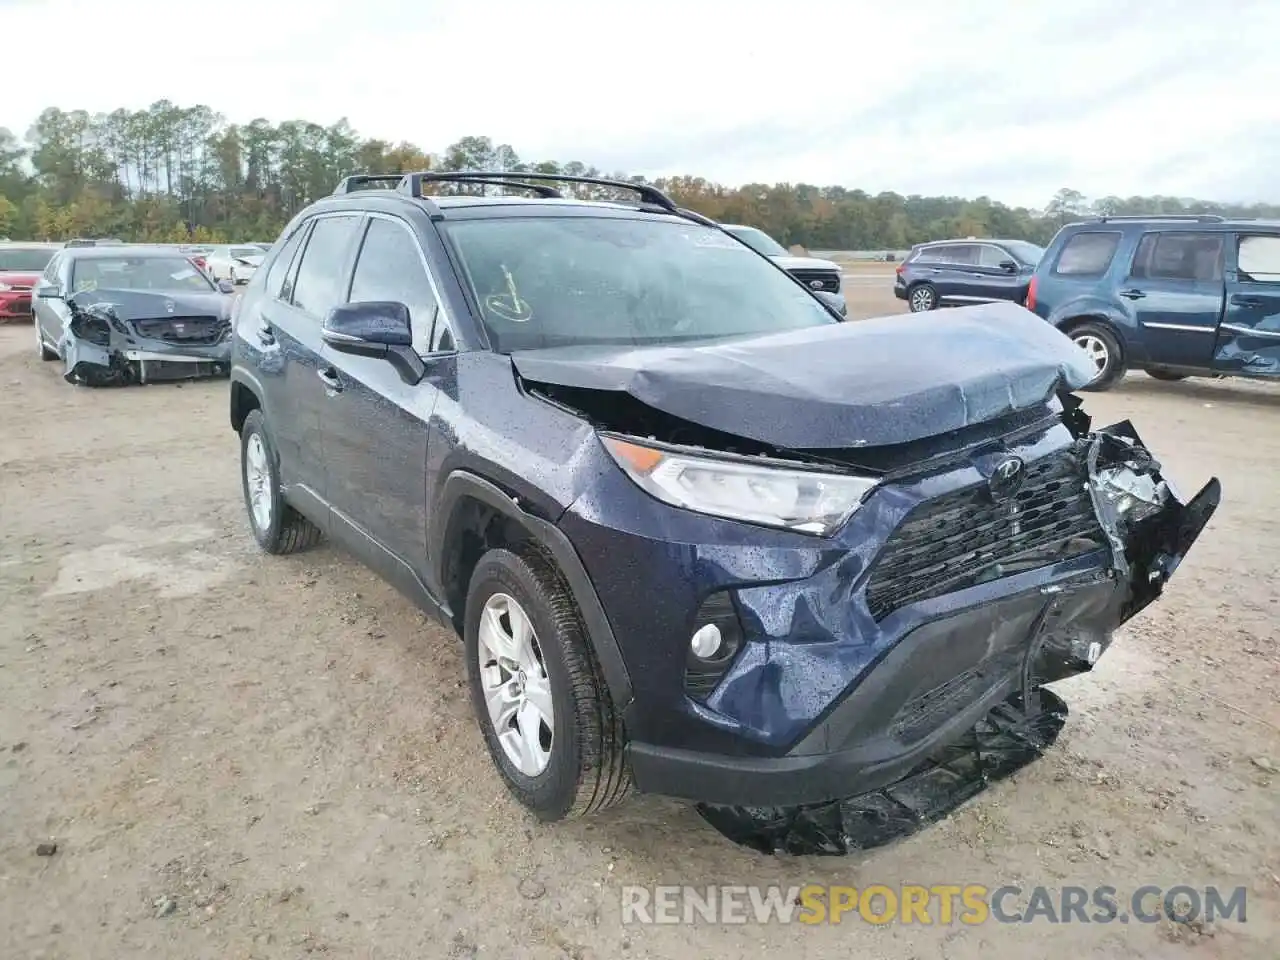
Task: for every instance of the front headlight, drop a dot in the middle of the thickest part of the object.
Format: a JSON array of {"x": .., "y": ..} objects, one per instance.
[{"x": 802, "y": 500}]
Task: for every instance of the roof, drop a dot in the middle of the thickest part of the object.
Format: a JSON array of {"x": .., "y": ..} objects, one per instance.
[
  {"x": 469, "y": 206},
  {"x": 1200, "y": 222}
]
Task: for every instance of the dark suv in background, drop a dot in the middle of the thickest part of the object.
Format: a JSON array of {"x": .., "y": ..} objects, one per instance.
[
  {"x": 949, "y": 273},
  {"x": 1175, "y": 296},
  {"x": 695, "y": 532}
]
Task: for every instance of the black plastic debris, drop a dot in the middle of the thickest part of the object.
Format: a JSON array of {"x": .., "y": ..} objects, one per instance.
[{"x": 1000, "y": 744}]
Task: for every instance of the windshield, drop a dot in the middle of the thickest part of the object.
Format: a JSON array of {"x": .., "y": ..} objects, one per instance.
[
  {"x": 549, "y": 282},
  {"x": 759, "y": 241},
  {"x": 25, "y": 259},
  {"x": 1028, "y": 253},
  {"x": 137, "y": 273}
]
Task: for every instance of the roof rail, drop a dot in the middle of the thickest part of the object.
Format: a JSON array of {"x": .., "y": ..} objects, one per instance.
[
  {"x": 396, "y": 181},
  {"x": 412, "y": 183},
  {"x": 358, "y": 180},
  {"x": 1192, "y": 217}
]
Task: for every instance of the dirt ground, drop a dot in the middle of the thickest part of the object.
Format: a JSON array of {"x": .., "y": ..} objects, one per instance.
[{"x": 243, "y": 756}]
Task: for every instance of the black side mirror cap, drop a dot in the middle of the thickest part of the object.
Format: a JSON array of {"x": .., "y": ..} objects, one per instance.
[{"x": 378, "y": 329}]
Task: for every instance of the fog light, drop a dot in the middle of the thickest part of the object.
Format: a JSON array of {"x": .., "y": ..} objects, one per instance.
[{"x": 706, "y": 642}]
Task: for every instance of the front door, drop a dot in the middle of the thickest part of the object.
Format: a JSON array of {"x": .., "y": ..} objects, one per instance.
[
  {"x": 1175, "y": 292},
  {"x": 1249, "y": 338},
  {"x": 376, "y": 433}
]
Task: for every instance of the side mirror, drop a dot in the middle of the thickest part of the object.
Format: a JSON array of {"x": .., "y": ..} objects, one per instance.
[
  {"x": 226, "y": 286},
  {"x": 48, "y": 291},
  {"x": 378, "y": 329},
  {"x": 1009, "y": 266}
]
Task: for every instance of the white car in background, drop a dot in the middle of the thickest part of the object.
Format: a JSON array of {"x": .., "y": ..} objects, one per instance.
[{"x": 234, "y": 262}]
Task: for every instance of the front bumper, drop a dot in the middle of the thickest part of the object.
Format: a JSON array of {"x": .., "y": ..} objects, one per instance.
[
  {"x": 825, "y": 699},
  {"x": 15, "y": 305},
  {"x": 130, "y": 358}
]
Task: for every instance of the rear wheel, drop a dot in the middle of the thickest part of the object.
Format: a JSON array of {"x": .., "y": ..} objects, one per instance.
[
  {"x": 1103, "y": 351},
  {"x": 538, "y": 695},
  {"x": 277, "y": 527},
  {"x": 923, "y": 297},
  {"x": 1167, "y": 375}
]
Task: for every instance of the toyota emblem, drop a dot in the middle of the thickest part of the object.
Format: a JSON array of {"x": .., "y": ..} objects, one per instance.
[
  {"x": 815, "y": 284},
  {"x": 1006, "y": 479},
  {"x": 170, "y": 306}
]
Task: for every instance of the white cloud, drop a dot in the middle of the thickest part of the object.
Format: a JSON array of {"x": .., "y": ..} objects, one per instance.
[{"x": 921, "y": 96}]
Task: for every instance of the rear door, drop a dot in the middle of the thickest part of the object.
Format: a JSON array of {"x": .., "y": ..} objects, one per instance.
[
  {"x": 1175, "y": 291},
  {"x": 376, "y": 425},
  {"x": 951, "y": 268},
  {"x": 1249, "y": 338},
  {"x": 313, "y": 284}
]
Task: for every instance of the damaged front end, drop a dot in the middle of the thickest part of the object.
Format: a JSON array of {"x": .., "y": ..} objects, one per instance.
[
  {"x": 106, "y": 344},
  {"x": 1147, "y": 530}
]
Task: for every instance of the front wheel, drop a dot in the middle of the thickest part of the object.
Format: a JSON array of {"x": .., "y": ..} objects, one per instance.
[
  {"x": 538, "y": 695},
  {"x": 1103, "y": 350},
  {"x": 923, "y": 297},
  {"x": 277, "y": 527}
]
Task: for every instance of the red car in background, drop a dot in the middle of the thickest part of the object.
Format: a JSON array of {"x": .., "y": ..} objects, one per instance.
[{"x": 20, "y": 267}]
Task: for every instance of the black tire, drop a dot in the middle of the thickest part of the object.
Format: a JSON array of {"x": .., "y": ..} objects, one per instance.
[
  {"x": 1166, "y": 375},
  {"x": 1113, "y": 368},
  {"x": 287, "y": 530},
  {"x": 922, "y": 298},
  {"x": 587, "y": 769}
]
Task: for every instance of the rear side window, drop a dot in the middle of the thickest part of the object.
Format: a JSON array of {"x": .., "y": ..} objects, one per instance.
[
  {"x": 322, "y": 278},
  {"x": 280, "y": 265},
  {"x": 1087, "y": 254},
  {"x": 1259, "y": 259},
  {"x": 951, "y": 253},
  {"x": 1178, "y": 256}
]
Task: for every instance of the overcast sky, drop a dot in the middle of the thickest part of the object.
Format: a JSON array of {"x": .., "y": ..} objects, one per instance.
[{"x": 963, "y": 97}]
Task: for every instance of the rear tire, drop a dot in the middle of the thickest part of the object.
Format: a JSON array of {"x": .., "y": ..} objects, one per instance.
[
  {"x": 581, "y": 767},
  {"x": 1167, "y": 375},
  {"x": 1104, "y": 350},
  {"x": 922, "y": 298},
  {"x": 277, "y": 527}
]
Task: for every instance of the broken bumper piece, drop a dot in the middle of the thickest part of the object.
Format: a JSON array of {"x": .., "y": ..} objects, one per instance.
[{"x": 1000, "y": 744}]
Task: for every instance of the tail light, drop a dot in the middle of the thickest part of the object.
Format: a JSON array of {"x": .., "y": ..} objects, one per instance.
[
  {"x": 899, "y": 268},
  {"x": 1031, "y": 294}
]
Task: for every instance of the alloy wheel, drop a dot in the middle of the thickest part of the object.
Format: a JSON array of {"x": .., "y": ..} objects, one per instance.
[
  {"x": 1096, "y": 351},
  {"x": 513, "y": 679},
  {"x": 921, "y": 300},
  {"x": 257, "y": 475}
]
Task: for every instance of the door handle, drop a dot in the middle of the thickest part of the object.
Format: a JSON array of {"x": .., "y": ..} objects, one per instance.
[
  {"x": 1132, "y": 294},
  {"x": 1239, "y": 301},
  {"x": 329, "y": 377}
]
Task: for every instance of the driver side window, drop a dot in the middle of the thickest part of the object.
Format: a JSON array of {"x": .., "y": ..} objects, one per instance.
[{"x": 390, "y": 267}]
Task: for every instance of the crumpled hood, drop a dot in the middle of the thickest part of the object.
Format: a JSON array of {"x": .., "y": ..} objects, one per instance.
[
  {"x": 871, "y": 383},
  {"x": 155, "y": 304}
]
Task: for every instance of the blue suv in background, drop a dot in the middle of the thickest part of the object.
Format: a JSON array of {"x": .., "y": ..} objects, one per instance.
[
  {"x": 1175, "y": 296},
  {"x": 950, "y": 273}
]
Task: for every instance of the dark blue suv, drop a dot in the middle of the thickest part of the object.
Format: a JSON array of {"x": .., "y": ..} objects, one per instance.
[
  {"x": 698, "y": 536},
  {"x": 949, "y": 273},
  {"x": 1175, "y": 296}
]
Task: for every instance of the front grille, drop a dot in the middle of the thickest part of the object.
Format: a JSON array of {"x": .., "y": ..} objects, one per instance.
[
  {"x": 20, "y": 287},
  {"x": 829, "y": 279},
  {"x": 187, "y": 331},
  {"x": 965, "y": 538},
  {"x": 20, "y": 308}
]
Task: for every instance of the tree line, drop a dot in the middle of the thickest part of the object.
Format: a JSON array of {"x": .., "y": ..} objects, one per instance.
[{"x": 172, "y": 173}]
